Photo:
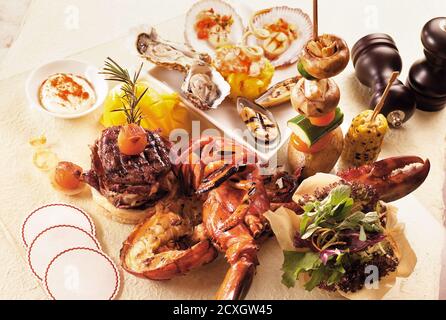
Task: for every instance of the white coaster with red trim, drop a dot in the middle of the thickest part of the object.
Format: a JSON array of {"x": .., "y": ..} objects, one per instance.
[
  {"x": 53, "y": 215},
  {"x": 82, "y": 274},
  {"x": 54, "y": 240}
]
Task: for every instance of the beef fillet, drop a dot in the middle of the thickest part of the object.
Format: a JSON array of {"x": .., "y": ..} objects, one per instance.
[{"x": 129, "y": 182}]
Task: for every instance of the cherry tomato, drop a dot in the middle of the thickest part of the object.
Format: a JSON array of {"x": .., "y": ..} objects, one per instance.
[
  {"x": 68, "y": 175},
  {"x": 322, "y": 121},
  {"x": 132, "y": 139},
  {"x": 301, "y": 146}
]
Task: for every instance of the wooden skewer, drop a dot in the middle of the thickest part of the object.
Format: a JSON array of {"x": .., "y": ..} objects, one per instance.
[
  {"x": 381, "y": 102},
  {"x": 315, "y": 20}
]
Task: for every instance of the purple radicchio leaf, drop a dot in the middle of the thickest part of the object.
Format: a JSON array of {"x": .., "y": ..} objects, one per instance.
[{"x": 356, "y": 245}]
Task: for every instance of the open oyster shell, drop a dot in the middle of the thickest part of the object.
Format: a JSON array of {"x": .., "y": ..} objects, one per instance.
[
  {"x": 293, "y": 16},
  {"x": 165, "y": 53},
  {"x": 204, "y": 87},
  {"x": 218, "y": 36}
]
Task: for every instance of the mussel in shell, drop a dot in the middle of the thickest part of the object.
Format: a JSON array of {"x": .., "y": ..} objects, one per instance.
[
  {"x": 278, "y": 93},
  {"x": 259, "y": 121}
]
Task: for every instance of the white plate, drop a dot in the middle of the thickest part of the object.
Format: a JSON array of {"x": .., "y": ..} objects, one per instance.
[
  {"x": 82, "y": 274},
  {"x": 89, "y": 72},
  {"x": 53, "y": 215},
  {"x": 226, "y": 118},
  {"x": 49, "y": 243}
]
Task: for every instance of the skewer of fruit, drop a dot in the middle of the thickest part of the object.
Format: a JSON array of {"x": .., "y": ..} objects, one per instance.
[
  {"x": 365, "y": 136},
  {"x": 317, "y": 141}
]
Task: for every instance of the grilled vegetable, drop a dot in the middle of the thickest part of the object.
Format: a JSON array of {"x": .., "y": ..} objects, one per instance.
[
  {"x": 315, "y": 98},
  {"x": 364, "y": 139},
  {"x": 324, "y": 58},
  {"x": 320, "y": 157},
  {"x": 301, "y": 146},
  {"x": 310, "y": 134},
  {"x": 304, "y": 72},
  {"x": 324, "y": 120}
]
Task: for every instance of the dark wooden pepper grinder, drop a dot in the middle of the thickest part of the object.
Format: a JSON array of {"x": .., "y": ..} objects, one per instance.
[
  {"x": 427, "y": 77},
  {"x": 375, "y": 57}
]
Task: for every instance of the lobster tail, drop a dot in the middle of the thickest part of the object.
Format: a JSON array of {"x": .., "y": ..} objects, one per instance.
[{"x": 237, "y": 281}]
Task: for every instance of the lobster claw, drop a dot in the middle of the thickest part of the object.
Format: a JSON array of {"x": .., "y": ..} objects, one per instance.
[{"x": 393, "y": 178}]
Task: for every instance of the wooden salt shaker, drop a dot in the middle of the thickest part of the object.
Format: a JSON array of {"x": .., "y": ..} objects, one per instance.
[{"x": 375, "y": 57}]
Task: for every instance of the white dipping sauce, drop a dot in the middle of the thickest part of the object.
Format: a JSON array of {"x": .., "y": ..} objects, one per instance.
[{"x": 66, "y": 93}]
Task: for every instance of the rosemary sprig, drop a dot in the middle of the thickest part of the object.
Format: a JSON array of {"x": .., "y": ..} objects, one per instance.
[{"x": 130, "y": 97}]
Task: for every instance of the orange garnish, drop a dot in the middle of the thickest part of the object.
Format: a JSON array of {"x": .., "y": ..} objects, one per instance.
[
  {"x": 324, "y": 120},
  {"x": 301, "y": 146},
  {"x": 68, "y": 175},
  {"x": 132, "y": 139}
]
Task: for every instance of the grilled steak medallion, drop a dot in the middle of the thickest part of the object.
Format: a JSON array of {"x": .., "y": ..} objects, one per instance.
[{"x": 129, "y": 182}]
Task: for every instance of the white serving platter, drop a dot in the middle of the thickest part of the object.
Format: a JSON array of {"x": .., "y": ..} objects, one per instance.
[{"x": 226, "y": 117}]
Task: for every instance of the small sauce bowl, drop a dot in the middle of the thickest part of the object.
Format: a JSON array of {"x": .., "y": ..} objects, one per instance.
[{"x": 78, "y": 68}]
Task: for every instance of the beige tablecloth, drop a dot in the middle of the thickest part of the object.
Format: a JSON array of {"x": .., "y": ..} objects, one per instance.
[{"x": 24, "y": 188}]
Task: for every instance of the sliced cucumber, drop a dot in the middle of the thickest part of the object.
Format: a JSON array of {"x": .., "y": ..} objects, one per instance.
[
  {"x": 303, "y": 72},
  {"x": 309, "y": 133}
]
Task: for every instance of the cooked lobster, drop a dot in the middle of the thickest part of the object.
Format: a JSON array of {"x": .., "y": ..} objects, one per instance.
[{"x": 226, "y": 178}]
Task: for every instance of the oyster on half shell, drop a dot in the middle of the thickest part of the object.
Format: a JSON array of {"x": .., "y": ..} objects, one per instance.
[
  {"x": 167, "y": 54},
  {"x": 205, "y": 87}
]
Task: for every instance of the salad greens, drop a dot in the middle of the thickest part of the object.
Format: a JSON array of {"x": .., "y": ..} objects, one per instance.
[
  {"x": 333, "y": 229},
  {"x": 297, "y": 262}
]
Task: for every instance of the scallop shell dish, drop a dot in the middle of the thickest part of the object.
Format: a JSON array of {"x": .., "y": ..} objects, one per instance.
[
  {"x": 282, "y": 32},
  {"x": 211, "y": 24}
]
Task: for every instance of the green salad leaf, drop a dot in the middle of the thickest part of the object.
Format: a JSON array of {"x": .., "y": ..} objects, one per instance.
[
  {"x": 297, "y": 262},
  {"x": 335, "y": 212},
  {"x": 324, "y": 223},
  {"x": 333, "y": 208}
]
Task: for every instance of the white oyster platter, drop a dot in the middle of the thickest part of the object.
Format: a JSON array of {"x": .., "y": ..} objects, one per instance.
[{"x": 226, "y": 117}]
